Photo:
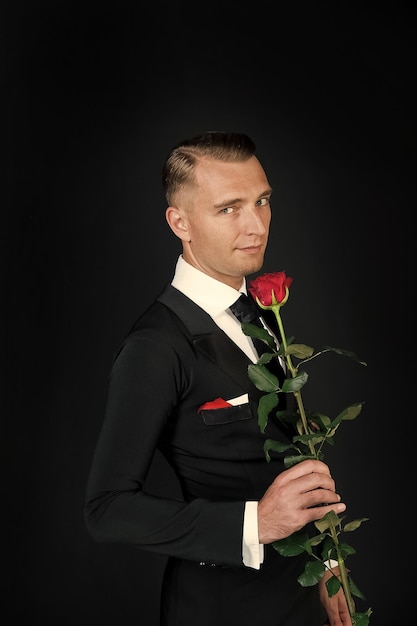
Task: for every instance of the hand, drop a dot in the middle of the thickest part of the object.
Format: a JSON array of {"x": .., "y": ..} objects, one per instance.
[
  {"x": 336, "y": 606},
  {"x": 298, "y": 496}
]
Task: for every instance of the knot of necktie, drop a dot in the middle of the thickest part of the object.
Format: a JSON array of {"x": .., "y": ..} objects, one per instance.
[{"x": 246, "y": 311}]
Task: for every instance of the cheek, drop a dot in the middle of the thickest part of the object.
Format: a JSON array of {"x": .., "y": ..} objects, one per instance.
[{"x": 210, "y": 235}]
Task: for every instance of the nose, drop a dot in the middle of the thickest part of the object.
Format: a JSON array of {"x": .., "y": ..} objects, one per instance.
[{"x": 257, "y": 221}]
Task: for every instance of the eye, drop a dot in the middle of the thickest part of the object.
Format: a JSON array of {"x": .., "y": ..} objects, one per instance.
[
  {"x": 263, "y": 202},
  {"x": 227, "y": 210}
]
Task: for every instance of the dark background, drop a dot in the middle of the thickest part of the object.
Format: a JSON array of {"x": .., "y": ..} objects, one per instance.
[{"x": 95, "y": 96}]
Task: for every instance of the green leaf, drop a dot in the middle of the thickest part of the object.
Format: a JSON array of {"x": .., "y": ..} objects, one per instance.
[
  {"x": 350, "y": 413},
  {"x": 299, "y": 350},
  {"x": 313, "y": 573},
  {"x": 355, "y": 524},
  {"x": 347, "y": 353},
  {"x": 259, "y": 333},
  {"x": 361, "y": 619},
  {"x": 333, "y": 585},
  {"x": 275, "y": 446},
  {"x": 346, "y": 550},
  {"x": 266, "y": 357},
  {"x": 265, "y": 406},
  {"x": 289, "y": 461},
  {"x": 288, "y": 417},
  {"x": 322, "y": 421},
  {"x": 317, "y": 539},
  {"x": 293, "y": 545},
  {"x": 324, "y": 523},
  {"x": 314, "y": 437},
  {"x": 262, "y": 378},
  {"x": 355, "y": 590},
  {"x": 294, "y": 384},
  {"x": 328, "y": 549}
]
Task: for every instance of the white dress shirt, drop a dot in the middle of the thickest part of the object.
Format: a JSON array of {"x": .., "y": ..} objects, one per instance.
[{"x": 215, "y": 298}]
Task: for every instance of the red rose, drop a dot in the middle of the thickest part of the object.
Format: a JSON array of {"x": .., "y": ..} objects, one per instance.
[{"x": 269, "y": 286}]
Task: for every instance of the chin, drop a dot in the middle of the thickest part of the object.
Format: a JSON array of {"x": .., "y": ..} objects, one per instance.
[
  {"x": 253, "y": 267},
  {"x": 250, "y": 263}
]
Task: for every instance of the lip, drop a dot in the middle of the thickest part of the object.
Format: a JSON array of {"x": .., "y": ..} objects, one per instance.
[{"x": 251, "y": 249}]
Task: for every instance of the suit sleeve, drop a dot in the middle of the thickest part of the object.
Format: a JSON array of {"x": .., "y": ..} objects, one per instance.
[{"x": 145, "y": 383}]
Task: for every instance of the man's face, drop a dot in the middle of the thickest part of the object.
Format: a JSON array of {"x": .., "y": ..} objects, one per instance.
[{"x": 226, "y": 216}]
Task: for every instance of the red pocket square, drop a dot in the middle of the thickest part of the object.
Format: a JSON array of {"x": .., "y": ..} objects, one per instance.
[{"x": 218, "y": 403}]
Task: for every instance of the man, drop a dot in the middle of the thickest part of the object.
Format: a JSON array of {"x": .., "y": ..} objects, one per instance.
[{"x": 185, "y": 351}]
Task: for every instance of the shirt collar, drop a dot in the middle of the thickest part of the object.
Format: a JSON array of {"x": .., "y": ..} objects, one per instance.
[{"x": 210, "y": 294}]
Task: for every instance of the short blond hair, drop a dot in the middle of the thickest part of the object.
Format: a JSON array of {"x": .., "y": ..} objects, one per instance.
[{"x": 179, "y": 167}]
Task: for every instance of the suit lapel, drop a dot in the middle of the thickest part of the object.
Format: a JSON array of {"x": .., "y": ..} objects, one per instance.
[{"x": 207, "y": 336}]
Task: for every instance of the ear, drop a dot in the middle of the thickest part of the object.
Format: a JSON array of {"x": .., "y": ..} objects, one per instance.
[{"x": 177, "y": 222}]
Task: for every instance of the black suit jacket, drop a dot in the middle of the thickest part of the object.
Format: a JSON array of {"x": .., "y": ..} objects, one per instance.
[{"x": 174, "y": 360}]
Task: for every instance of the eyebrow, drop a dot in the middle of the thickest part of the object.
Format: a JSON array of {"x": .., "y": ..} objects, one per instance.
[{"x": 232, "y": 201}]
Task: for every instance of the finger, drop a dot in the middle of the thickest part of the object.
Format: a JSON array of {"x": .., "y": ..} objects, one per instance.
[
  {"x": 316, "y": 480},
  {"x": 320, "y": 497},
  {"x": 317, "y": 512},
  {"x": 306, "y": 467}
]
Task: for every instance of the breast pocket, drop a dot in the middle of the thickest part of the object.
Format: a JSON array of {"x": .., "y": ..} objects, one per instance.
[{"x": 228, "y": 415}]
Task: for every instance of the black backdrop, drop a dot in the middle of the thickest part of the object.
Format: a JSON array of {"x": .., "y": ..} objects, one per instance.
[{"x": 95, "y": 97}]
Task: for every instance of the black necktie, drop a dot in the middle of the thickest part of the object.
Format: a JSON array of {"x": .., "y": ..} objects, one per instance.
[{"x": 246, "y": 311}]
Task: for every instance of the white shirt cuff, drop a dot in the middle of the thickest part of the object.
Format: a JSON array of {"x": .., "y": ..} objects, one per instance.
[{"x": 252, "y": 550}]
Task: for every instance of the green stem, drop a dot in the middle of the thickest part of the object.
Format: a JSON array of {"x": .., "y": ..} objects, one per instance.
[
  {"x": 294, "y": 372},
  {"x": 343, "y": 571},
  {"x": 297, "y": 394}
]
